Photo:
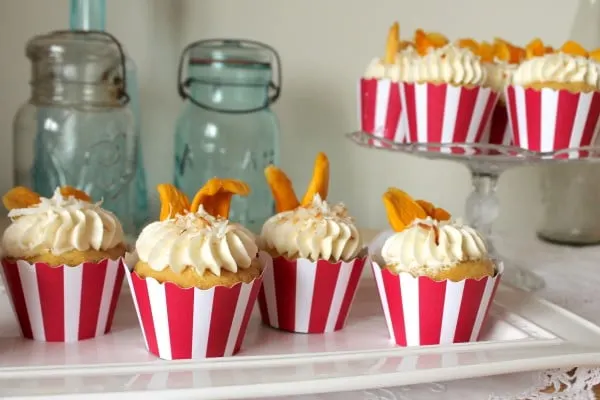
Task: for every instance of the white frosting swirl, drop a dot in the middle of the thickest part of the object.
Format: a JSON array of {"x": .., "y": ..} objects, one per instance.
[
  {"x": 429, "y": 245},
  {"x": 449, "y": 64},
  {"x": 396, "y": 72},
  {"x": 58, "y": 225},
  {"x": 318, "y": 232},
  {"x": 197, "y": 240},
  {"x": 557, "y": 67}
]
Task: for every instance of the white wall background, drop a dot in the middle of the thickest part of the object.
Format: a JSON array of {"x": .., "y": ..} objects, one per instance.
[{"x": 325, "y": 45}]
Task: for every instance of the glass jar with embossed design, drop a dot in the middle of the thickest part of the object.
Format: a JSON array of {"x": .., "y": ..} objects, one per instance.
[
  {"x": 227, "y": 128},
  {"x": 76, "y": 128}
]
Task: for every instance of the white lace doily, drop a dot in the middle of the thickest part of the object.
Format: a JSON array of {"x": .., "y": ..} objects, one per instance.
[{"x": 572, "y": 278}]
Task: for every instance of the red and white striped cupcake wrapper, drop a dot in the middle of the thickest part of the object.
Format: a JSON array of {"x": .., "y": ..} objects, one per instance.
[
  {"x": 420, "y": 311},
  {"x": 380, "y": 110},
  {"x": 63, "y": 304},
  {"x": 309, "y": 297},
  {"x": 193, "y": 323},
  {"x": 549, "y": 120},
  {"x": 446, "y": 114},
  {"x": 498, "y": 131}
]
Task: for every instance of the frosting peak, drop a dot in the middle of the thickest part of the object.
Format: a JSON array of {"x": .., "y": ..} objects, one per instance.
[
  {"x": 428, "y": 244},
  {"x": 321, "y": 231},
  {"x": 60, "y": 224},
  {"x": 559, "y": 68},
  {"x": 197, "y": 240},
  {"x": 449, "y": 64}
]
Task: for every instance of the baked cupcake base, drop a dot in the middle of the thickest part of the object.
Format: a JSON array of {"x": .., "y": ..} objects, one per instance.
[
  {"x": 465, "y": 270},
  {"x": 76, "y": 257},
  {"x": 189, "y": 278}
]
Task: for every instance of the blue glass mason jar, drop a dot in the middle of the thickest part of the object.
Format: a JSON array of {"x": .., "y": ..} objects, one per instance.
[
  {"x": 76, "y": 128},
  {"x": 227, "y": 128}
]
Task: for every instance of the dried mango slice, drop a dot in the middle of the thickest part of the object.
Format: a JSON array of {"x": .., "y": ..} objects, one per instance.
[
  {"x": 20, "y": 197},
  {"x": 407, "y": 209},
  {"x": 486, "y": 52},
  {"x": 517, "y": 54},
  {"x": 438, "y": 214},
  {"x": 320, "y": 180},
  {"x": 281, "y": 188},
  {"x": 392, "y": 212},
  {"x": 215, "y": 196},
  {"x": 468, "y": 43},
  {"x": 70, "y": 191},
  {"x": 392, "y": 44},
  {"x": 437, "y": 39},
  {"x": 172, "y": 201},
  {"x": 422, "y": 43},
  {"x": 594, "y": 55},
  {"x": 549, "y": 49},
  {"x": 573, "y": 48},
  {"x": 501, "y": 52},
  {"x": 535, "y": 48}
]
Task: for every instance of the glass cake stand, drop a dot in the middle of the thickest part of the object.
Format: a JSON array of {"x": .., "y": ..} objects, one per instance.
[{"x": 486, "y": 163}]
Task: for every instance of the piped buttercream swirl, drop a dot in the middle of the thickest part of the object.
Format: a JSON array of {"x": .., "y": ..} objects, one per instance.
[
  {"x": 60, "y": 224},
  {"x": 197, "y": 240},
  {"x": 559, "y": 68},
  {"x": 449, "y": 64},
  {"x": 317, "y": 232},
  {"x": 429, "y": 245}
]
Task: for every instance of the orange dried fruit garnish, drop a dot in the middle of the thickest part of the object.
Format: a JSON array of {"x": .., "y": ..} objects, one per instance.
[
  {"x": 486, "y": 52},
  {"x": 70, "y": 191},
  {"x": 281, "y": 188},
  {"x": 535, "y": 48},
  {"x": 215, "y": 196},
  {"x": 20, "y": 197},
  {"x": 320, "y": 180},
  {"x": 393, "y": 44},
  {"x": 501, "y": 51},
  {"x": 437, "y": 39},
  {"x": 573, "y": 48},
  {"x": 401, "y": 209},
  {"x": 468, "y": 43},
  {"x": 432, "y": 211},
  {"x": 549, "y": 50},
  {"x": 422, "y": 43},
  {"x": 594, "y": 54},
  {"x": 172, "y": 201}
]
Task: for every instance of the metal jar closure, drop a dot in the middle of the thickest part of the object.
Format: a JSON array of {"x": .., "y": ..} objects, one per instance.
[{"x": 231, "y": 53}]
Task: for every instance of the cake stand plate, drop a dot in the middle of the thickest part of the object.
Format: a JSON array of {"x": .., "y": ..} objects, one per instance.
[{"x": 523, "y": 333}]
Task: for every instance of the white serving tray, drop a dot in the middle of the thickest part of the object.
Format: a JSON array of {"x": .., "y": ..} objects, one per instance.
[{"x": 523, "y": 333}]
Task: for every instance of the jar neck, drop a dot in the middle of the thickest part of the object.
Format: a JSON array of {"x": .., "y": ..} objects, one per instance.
[
  {"x": 230, "y": 97},
  {"x": 75, "y": 94},
  {"x": 88, "y": 15}
]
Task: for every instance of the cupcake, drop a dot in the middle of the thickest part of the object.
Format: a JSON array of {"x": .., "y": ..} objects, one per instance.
[
  {"x": 500, "y": 59},
  {"x": 197, "y": 274},
  {"x": 435, "y": 277},
  {"x": 379, "y": 96},
  {"x": 445, "y": 93},
  {"x": 317, "y": 257},
  {"x": 554, "y": 98},
  {"x": 62, "y": 264}
]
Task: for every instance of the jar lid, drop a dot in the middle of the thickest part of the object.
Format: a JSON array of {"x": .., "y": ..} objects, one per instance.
[
  {"x": 77, "y": 56},
  {"x": 229, "y": 51}
]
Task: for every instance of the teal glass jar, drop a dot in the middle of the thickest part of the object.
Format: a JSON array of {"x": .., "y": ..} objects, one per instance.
[
  {"x": 227, "y": 128},
  {"x": 76, "y": 128}
]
